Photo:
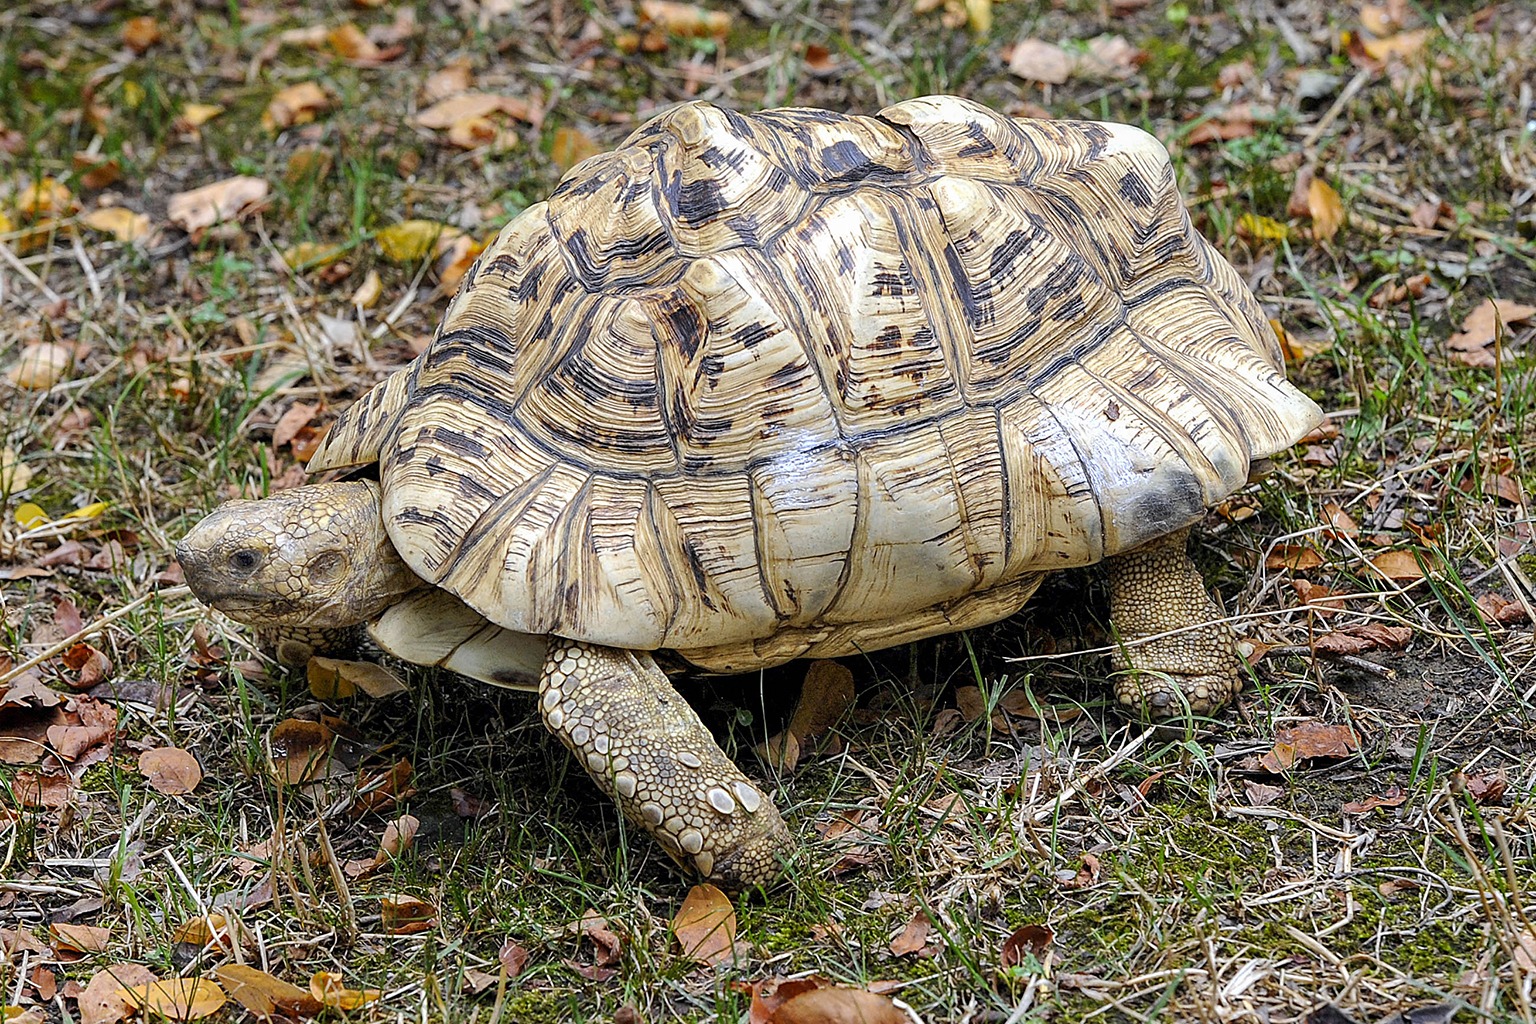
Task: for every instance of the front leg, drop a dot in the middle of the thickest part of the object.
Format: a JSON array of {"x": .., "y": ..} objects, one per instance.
[{"x": 645, "y": 747}]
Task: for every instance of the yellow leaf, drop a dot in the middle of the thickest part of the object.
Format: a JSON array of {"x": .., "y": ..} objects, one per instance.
[
  {"x": 91, "y": 511},
  {"x": 40, "y": 366},
  {"x": 979, "y": 14},
  {"x": 329, "y": 989},
  {"x": 369, "y": 292},
  {"x": 14, "y": 474},
  {"x": 1326, "y": 208},
  {"x": 1258, "y": 228},
  {"x": 195, "y": 115},
  {"x": 295, "y": 104},
  {"x": 411, "y": 241},
  {"x": 570, "y": 147},
  {"x": 349, "y": 42},
  {"x": 312, "y": 255},
  {"x": 177, "y": 998},
  {"x": 688, "y": 20},
  {"x": 30, "y": 516},
  {"x": 118, "y": 221},
  {"x": 265, "y": 995},
  {"x": 1403, "y": 45},
  {"x": 44, "y": 197},
  {"x": 133, "y": 95}
]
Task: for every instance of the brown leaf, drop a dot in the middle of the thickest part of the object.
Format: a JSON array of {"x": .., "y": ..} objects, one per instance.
[
  {"x": 1035, "y": 60},
  {"x": 824, "y": 699},
  {"x": 1503, "y": 487},
  {"x": 264, "y": 995},
  {"x": 40, "y": 366},
  {"x": 607, "y": 944},
  {"x": 1310, "y": 740},
  {"x": 1325, "y": 208},
  {"x": 687, "y": 20},
  {"x": 1319, "y": 598},
  {"x": 295, "y": 104},
  {"x": 914, "y": 937},
  {"x": 89, "y": 665},
  {"x": 1025, "y": 941},
  {"x": 1085, "y": 876},
  {"x": 705, "y": 925},
  {"x": 1371, "y": 636},
  {"x": 1340, "y": 523},
  {"x": 467, "y": 805},
  {"x": 298, "y": 415},
  {"x": 1393, "y": 797},
  {"x": 170, "y": 770},
  {"x": 1487, "y": 789},
  {"x": 1428, "y": 213},
  {"x": 102, "y": 1001},
  {"x": 330, "y": 990},
  {"x": 781, "y": 750},
  {"x": 971, "y": 703},
  {"x": 79, "y": 938},
  {"x": 1261, "y": 795},
  {"x": 769, "y": 994},
  {"x": 176, "y": 998},
  {"x": 34, "y": 790},
  {"x": 837, "y": 1005},
  {"x": 1498, "y": 608},
  {"x": 140, "y": 33},
  {"x": 449, "y": 80},
  {"x": 350, "y": 43},
  {"x": 298, "y": 750},
  {"x": 571, "y": 146},
  {"x": 229, "y": 199},
  {"x": 44, "y": 982},
  {"x": 405, "y": 915},
  {"x": 332, "y": 678},
  {"x": 1296, "y": 557},
  {"x": 380, "y": 790},
  {"x": 445, "y": 114},
  {"x": 1472, "y": 344},
  {"x": 513, "y": 958},
  {"x": 1399, "y": 566},
  {"x": 1399, "y": 47}
]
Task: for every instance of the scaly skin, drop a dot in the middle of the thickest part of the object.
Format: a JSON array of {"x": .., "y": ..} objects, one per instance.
[{"x": 1153, "y": 590}]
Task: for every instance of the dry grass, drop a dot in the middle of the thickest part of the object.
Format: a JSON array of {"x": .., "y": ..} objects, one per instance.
[{"x": 1180, "y": 878}]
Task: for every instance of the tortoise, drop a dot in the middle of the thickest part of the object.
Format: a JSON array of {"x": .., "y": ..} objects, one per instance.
[{"x": 792, "y": 384}]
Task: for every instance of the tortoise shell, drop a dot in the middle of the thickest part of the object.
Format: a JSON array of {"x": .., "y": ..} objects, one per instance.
[{"x": 754, "y": 386}]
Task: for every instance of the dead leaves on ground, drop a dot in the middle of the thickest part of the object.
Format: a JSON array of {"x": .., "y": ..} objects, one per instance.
[
  {"x": 826, "y": 696},
  {"x": 170, "y": 770},
  {"x": 1309, "y": 741},
  {"x": 705, "y": 926},
  {"x": 1484, "y": 331},
  {"x": 815, "y": 1000}
]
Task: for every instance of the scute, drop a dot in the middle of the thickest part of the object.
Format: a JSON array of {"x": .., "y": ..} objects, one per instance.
[{"x": 757, "y": 385}]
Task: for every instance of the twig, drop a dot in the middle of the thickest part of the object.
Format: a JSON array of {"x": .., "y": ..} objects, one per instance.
[
  {"x": 26, "y": 273},
  {"x": 1303, "y": 651},
  {"x": 1345, "y": 95},
  {"x": 1112, "y": 762}
]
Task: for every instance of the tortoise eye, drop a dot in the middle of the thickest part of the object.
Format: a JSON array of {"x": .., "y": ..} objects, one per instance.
[{"x": 244, "y": 560}]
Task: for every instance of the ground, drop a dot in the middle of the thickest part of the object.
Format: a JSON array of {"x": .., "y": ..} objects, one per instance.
[{"x": 1355, "y": 832}]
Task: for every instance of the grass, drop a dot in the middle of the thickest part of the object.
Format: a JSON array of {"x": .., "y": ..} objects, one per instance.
[{"x": 1178, "y": 878}]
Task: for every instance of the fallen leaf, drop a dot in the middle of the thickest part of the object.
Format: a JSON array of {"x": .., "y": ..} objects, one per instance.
[
  {"x": 195, "y": 115},
  {"x": 297, "y": 750},
  {"x": 330, "y": 990},
  {"x": 405, "y": 915},
  {"x": 79, "y": 938},
  {"x": 1318, "y": 598},
  {"x": 687, "y": 20},
  {"x": 295, "y": 104},
  {"x": 380, "y": 790},
  {"x": 412, "y": 241},
  {"x": 571, "y": 146},
  {"x": 40, "y": 366},
  {"x": 824, "y": 698},
  {"x": 349, "y": 43},
  {"x": 44, "y": 982},
  {"x": 449, "y": 80},
  {"x": 1393, "y": 797},
  {"x": 914, "y": 937},
  {"x": 468, "y": 106},
  {"x": 467, "y": 805},
  {"x": 369, "y": 292},
  {"x": 1084, "y": 876},
  {"x": 836, "y": 1005},
  {"x": 1109, "y": 56},
  {"x": 140, "y": 33},
  {"x": 512, "y": 957},
  {"x": 1261, "y": 795},
  {"x": 781, "y": 751},
  {"x": 1487, "y": 789},
  {"x": 1295, "y": 557},
  {"x": 229, "y": 199},
  {"x": 204, "y": 929},
  {"x": 170, "y": 770},
  {"x": 1473, "y": 344},
  {"x": 1257, "y": 228},
  {"x": 1035, "y": 60},
  {"x": 264, "y": 995},
  {"x": 606, "y": 942},
  {"x": 705, "y": 925},
  {"x": 1310, "y": 740},
  {"x": 1399, "y": 47},
  {"x": 102, "y": 1001},
  {"x": 176, "y": 998},
  {"x": 1326, "y": 209},
  {"x": 1498, "y": 608},
  {"x": 1373, "y": 636},
  {"x": 1399, "y": 566},
  {"x": 34, "y": 790},
  {"x": 15, "y": 474},
  {"x": 120, "y": 222},
  {"x": 89, "y": 666},
  {"x": 970, "y": 702},
  {"x": 1030, "y": 940}
]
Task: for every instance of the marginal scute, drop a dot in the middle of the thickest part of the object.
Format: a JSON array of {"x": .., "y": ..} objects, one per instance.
[{"x": 760, "y": 386}]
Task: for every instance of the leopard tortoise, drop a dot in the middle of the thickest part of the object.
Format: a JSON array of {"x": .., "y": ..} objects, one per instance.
[{"x": 757, "y": 387}]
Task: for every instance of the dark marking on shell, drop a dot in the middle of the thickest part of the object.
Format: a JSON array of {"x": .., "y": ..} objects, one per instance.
[{"x": 1134, "y": 190}]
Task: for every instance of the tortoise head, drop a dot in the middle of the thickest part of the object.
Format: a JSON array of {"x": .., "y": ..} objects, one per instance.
[{"x": 314, "y": 556}]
